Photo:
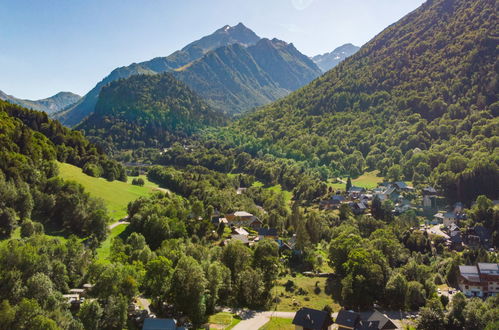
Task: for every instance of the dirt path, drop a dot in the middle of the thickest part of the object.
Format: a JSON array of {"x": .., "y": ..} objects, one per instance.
[{"x": 117, "y": 223}]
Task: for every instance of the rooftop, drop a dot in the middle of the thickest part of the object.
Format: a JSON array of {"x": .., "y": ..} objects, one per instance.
[
  {"x": 347, "y": 318},
  {"x": 159, "y": 324},
  {"x": 312, "y": 319},
  {"x": 242, "y": 214},
  {"x": 488, "y": 268}
]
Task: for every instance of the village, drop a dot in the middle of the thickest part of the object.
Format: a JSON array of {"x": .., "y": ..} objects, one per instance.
[{"x": 445, "y": 225}]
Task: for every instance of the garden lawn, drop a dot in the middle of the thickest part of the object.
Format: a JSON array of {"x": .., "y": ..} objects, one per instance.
[
  {"x": 116, "y": 194},
  {"x": 292, "y": 301},
  {"x": 278, "y": 323}
]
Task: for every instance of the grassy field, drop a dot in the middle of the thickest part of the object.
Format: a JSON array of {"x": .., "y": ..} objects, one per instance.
[
  {"x": 223, "y": 320},
  {"x": 104, "y": 250},
  {"x": 115, "y": 194},
  {"x": 288, "y": 195},
  {"x": 368, "y": 180},
  {"x": 293, "y": 301},
  {"x": 278, "y": 323}
]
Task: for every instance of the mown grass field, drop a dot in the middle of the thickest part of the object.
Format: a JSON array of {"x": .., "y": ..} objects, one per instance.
[
  {"x": 368, "y": 180},
  {"x": 104, "y": 251},
  {"x": 288, "y": 195},
  {"x": 223, "y": 320},
  {"x": 293, "y": 301},
  {"x": 278, "y": 323},
  {"x": 116, "y": 194}
]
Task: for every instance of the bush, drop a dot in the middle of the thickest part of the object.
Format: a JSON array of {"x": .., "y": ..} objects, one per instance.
[{"x": 138, "y": 182}]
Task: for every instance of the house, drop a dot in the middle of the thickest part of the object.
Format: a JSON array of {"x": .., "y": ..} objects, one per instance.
[
  {"x": 358, "y": 208},
  {"x": 332, "y": 203},
  {"x": 402, "y": 186},
  {"x": 239, "y": 215},
  {"x": 429, "y": 198},
  {"x": 481, "y": 280},
  {"x": 240, "y": 231},
  {"x": 243, "y": 218},
  {"x": 268, "y": 233},
  {"x": 437, "y": 218},
  {"x": 241, "y": 238},
  {"x": 377, "y": 320},
  {"x": 312, "y": 319},
  {"x": 366, "y": 321},
  {"x": 355, "y": 192},
  {"x": 449, "y": 218},
  {"x": 458, "y": 207},
  {"x": 240, "y": 191},
  {"x": 160, "y": 324},
  {"x": 256, "y": 223},
  {"x": 347, "y": 320}
]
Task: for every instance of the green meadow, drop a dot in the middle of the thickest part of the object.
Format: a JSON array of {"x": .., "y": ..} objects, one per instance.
[{"x": 116, "y": 194}]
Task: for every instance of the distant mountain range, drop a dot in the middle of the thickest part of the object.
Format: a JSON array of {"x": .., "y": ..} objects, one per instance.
[
  {"x": 49, "y": 105},
  {"x": 235, "y": 78},
  {"x": 328, "y": 61},
  {"x": 233, "y": 69}
]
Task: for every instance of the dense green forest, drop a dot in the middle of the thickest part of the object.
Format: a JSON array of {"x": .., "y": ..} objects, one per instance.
[
  {"x": 30, "y": 190},
  {"x": 418, "y": 102},
  {"x": 147, "y": 111}
]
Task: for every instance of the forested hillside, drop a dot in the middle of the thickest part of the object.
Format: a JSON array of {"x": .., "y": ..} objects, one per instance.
[
  {"x": 29, "y": 189},
  {"x": 418, "y": 102},
  {"x": 147, "y": 111}
]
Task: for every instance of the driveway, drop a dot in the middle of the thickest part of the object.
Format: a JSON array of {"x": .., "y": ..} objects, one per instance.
[{"x": 253, "y": 320}]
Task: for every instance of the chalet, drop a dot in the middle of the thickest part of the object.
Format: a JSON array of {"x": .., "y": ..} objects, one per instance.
[
  {"x": 358, "y": 208},
  {"x": 241, "y": 238},
  {"x": 312, "y": 319},
  {"x": 449, "y": 218},
  {"x": 256, "y": 223},
  {"x": 481, "y": 280},
  {"x": 347, "y": 320},
  {"x": 239, "y": 216},
  {"x": 161, "y": 324},
  {"x": 268, "y": 233},
  {"x": 366, "y": 321},
  {"x": 402, "y": 186},
  {"x": 332, "y": 203},
  {"x": 355, "y": 192},
  {"x": 429, "y": 198},
  {"x": 243, "y": 218},
  {"x": 438, "y": 218}
]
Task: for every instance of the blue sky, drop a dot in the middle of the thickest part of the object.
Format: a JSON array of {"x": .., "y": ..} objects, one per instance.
[{"x": 69, "y": 45}]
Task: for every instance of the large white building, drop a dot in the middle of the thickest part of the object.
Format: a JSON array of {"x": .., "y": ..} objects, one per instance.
[{"x": 481, "y": 280}]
